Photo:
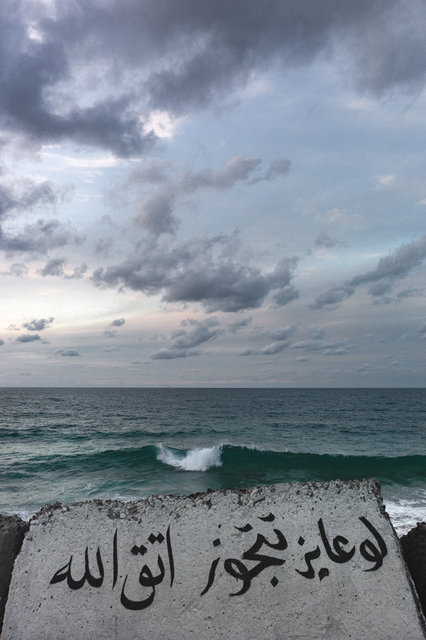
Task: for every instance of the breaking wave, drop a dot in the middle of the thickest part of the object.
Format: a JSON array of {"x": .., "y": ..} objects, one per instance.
[
  {"x": 192, "y": 460},
  {"x": 234, "y": 465}
]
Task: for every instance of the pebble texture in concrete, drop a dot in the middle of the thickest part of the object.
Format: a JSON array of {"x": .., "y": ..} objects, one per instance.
[
  {"x": 12, "y": 530},
  {"x": 311, "y": 561},
  {"x": 414, "y": 549}
]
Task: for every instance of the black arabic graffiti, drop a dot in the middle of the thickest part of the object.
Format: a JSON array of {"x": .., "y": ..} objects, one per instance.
[
  {"x": 64, "y": 573},
  {"x": 337, "y": 554},
  {"x": 239, "y": 570},
  {"x": 262, "y": 554},
  {"x": 373, "y": 552},
  {"x": 146, "y": 578}
]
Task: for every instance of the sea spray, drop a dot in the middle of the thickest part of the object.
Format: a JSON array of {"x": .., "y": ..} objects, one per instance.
[{"x": 192, "y": 460}]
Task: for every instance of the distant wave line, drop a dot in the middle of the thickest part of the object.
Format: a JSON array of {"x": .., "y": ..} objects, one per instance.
[{"x": 235, "y": 464}]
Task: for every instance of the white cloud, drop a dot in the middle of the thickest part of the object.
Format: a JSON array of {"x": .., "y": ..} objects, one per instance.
[
  {"x": 386, "y": 181},
  {"x": 162, "y": 123},
  {"x": 85, "y": 162}
]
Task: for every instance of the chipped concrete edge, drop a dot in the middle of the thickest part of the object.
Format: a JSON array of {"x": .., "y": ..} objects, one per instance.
[
  {"x": 12, "y": 533},
  {"x": 372, "y": 485}
]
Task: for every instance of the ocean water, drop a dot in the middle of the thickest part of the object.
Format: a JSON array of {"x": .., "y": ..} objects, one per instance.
[{"x": 69, "y": 445}]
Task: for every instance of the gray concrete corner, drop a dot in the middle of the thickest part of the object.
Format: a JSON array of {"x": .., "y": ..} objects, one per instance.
[
  {"x": 413, "y": 546},
  {"x": 12, "y": 531}
]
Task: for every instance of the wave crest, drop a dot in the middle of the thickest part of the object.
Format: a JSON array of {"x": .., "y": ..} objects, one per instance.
[{"x": 192, "y": 460}]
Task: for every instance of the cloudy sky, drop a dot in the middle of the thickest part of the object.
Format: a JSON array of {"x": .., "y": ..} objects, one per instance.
[{"x": 213, "y": 193}]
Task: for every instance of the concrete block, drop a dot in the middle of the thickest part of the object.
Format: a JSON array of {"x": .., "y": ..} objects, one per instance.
[
  {"x": 12, "y": 530},
  {"x": 414, "y": 549},
  {"x": 297, "y": 561}
]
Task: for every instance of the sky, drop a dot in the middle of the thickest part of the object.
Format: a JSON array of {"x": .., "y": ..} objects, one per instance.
[{"x": 218, "y": 193}]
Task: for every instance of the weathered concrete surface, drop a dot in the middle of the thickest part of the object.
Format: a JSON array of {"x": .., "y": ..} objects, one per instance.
[
  {"x": 12, "y": 530},
  {"x": 414, "y": 549},
  {"x": 287, "y": 561}
]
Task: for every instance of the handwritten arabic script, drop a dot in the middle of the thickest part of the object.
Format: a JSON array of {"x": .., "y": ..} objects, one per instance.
[
  {"x": 372, "y": 552},
  {"x": 267, "y": 553},
  {"x": 146, "y": 576}
]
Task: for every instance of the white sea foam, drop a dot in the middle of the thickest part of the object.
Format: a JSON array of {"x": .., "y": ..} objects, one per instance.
[
  {"x": 26, "y": 514},
  {"x": 406, "y": 512},
  {"x": 192, "y": 460}
]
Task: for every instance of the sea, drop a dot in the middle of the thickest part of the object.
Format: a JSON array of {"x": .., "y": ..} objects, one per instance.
[{"x": 74, "y": 444}]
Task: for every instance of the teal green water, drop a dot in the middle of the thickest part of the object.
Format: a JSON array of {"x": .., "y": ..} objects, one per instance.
[{"x": 79, "y": 444}]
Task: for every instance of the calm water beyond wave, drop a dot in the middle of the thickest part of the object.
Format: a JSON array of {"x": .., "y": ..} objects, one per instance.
[{"x": 69, "y": 445}]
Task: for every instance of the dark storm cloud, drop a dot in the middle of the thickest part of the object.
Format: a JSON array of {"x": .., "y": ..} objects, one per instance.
[
  {"x": 268, "y": 350},
  {"x": 21, "y": 194},
  {"x": 154, "y": 211},
  {"x": 32, "y": 68},
  {"x": 192, "y": 334},
  {"x": 237, "y": 169},
  {"x": 224, "y": 286},
  {"x": 382, "y": 278},
  {"x": 67, "y": 353},
  {"x": 231, "y": 286},
  {"x": 280, "y": 341},
  {"x": 39, "y": 237},
  {"x": 315, "y": 342},
  {"x": 394, "y": 266},
  {"x": 183, "y": 55},
  {"x": 54, "y": 267},
  {"x": 203, "y": 271},
  {"x": 28, "y": 337},
  {"x": 233, "y": 39},
  {"x": 38, "y": 324},
  {"x": 280, "y": 281},
  {"x": 196, "y": 332},
  {"x": 117, "y": 323},
  {"x": 111, "y": 329},
  {"x": 155, "y": 214}
]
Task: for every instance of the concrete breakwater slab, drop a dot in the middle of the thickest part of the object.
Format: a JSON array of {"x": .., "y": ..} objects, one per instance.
[
  {"x": 12, "y": 530},
  {"x": 413, "y": 546},
  {"x": 293, "y": 561}
]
